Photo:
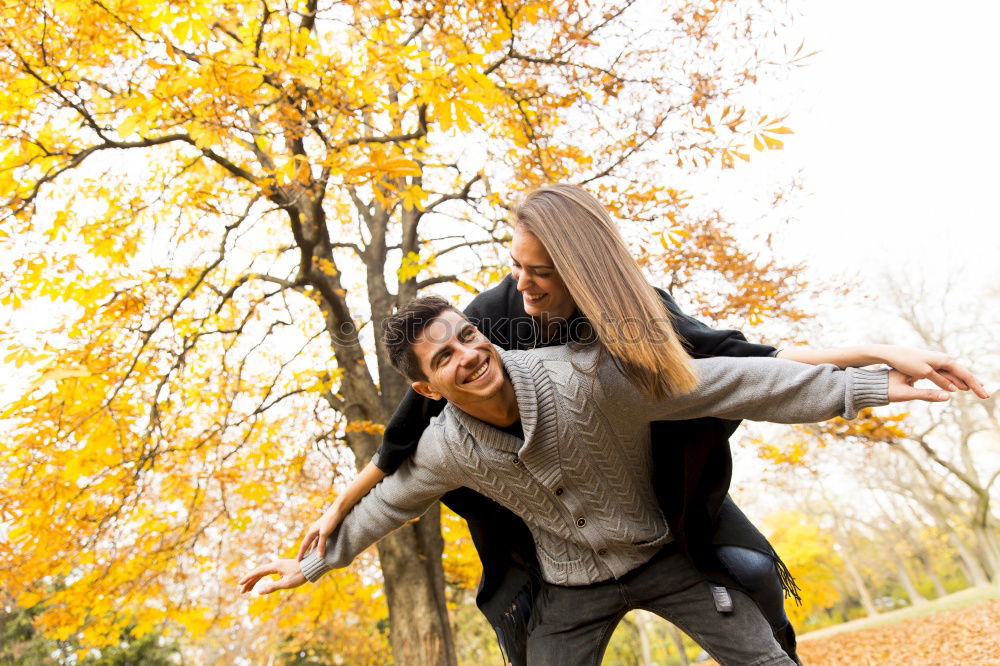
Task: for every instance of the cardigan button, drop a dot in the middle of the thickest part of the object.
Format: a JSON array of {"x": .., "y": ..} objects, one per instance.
[
  {"x": 559, "y": 491},
  {"x": 580, "y": 522},
  {"x": 517, "y": 461},
  {"x": 603, "y": 552}
]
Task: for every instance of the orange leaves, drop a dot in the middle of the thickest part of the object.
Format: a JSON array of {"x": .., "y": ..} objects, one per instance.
[
  {"x": 365, "y": 426},
  {"x": 731, "y": 132},
  {"x": 462, "y": 567},
  {"x": 412, "y": 265},
  {"x": 394, "y": 167},
  {"x": 966, "y": 636},
  {"x": 792, "y": 454},
  {"x": 763, "y": 139},
  {"x": 810, "y": 554},
  {"x": 868, "y": 426}
]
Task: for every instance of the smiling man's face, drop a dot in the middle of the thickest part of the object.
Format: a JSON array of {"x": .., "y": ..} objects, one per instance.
[{"x": 460, "y": 364}]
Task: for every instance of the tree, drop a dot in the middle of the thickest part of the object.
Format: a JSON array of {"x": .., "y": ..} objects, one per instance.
[
  {"x": 954, "y": 467},
  {"x": 811, "y": 555},
  {"x": 22, "y": 645},
  {"x": 227, "y": 199}
]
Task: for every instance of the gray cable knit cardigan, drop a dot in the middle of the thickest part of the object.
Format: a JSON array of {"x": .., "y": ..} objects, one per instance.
[{"x": 581, "y": 478}]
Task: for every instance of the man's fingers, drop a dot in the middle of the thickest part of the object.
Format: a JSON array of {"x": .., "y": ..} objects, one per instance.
[
  {"x": 284, "y": 583},
  {"x": 321, "y": 546},
  {"x": 258, "y": 573},
  {"x": 247, "y": 583},
  {"x": 927, "y": 395}
]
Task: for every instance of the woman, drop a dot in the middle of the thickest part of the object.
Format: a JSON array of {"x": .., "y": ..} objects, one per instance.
[{"x": 573, "y": 277}]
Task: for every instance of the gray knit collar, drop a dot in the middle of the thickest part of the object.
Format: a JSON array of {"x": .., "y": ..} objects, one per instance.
[{"x": 534, "y": 391}]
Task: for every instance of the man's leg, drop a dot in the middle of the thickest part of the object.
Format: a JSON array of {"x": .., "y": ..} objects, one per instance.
[
  {"x": 671, "y": 587},
  {"x": 571, "y": 626}
]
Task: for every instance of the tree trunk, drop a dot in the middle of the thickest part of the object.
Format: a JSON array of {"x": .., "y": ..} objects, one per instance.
[
  {"x": 420, "y": 630},
  {"x": 413, "y": 576},
  {"x": 989, "y": 546},
  {"x": 974, "y": 572},
  {"x": 642, "y": 622},
  {"x": 678, "y": 638},
  {"x": 859, "y": 583},
  {"x": 904, "y": 579},
  {"x": 939, "y": 588}
]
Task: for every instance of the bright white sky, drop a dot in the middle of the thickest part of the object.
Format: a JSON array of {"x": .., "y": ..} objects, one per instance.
[
  {"x": 896, "y": 137},
  {"x": 896, "y": 143}
]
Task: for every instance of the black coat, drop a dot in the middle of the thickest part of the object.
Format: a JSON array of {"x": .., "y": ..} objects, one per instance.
[{"x": 692, "y": 466}]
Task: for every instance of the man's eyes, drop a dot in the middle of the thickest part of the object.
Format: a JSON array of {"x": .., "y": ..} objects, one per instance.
[{"x": 441, "y": 358}]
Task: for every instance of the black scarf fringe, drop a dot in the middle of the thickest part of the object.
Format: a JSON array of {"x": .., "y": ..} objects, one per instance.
[
  {"x": 512, "y": 630},
  {"x": 788, "y": 584}
]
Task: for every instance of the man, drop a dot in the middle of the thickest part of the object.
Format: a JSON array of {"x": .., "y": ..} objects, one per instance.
[{"x": 560, "y": 437}]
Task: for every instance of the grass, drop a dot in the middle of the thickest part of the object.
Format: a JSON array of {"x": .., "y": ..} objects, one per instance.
[{"x": 963, "y": 599}]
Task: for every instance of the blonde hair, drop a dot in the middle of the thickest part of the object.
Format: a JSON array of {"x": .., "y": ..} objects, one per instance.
[{"x": 629, "y": 318}]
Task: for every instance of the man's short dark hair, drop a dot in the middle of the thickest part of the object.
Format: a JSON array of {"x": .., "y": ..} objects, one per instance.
[{"x": 403, "y": 328}]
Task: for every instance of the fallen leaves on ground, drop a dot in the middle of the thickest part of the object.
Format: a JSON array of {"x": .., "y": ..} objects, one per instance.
[{"x": 967, "y": 636}]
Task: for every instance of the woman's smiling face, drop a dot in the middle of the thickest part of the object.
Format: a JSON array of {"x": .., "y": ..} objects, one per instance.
[{"x": 541, "y": 287}]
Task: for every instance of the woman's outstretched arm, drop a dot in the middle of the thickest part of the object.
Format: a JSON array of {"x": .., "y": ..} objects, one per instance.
[
  {"x": 327, "y": 523},
  {"x": 937, "y": 367}
]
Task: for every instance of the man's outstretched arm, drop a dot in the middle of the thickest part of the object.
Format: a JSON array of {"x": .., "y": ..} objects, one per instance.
[
  {"x": 399, "y": 498},
  {"x": 937, "y": 367},
  {"x": 766, "y": 389}
]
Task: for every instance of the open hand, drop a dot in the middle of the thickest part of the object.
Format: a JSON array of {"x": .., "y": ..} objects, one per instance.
[
  {"x": 289, "y": 570},
  {"x": 937, "y": 367},
  {"x": 902, "y": 389}
]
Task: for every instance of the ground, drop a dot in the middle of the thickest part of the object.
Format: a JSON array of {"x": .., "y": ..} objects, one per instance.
[
  {"x": 966, "y": 636},
  {"x": 961, "y": 629}
]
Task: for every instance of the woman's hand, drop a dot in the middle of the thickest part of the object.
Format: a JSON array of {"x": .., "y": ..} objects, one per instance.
[
  {"x": 324, "y": 527},
  {"x": 289, "y": 570},
  {"x": 916, "y": 364},
  {"x": 937, "y": 367}
]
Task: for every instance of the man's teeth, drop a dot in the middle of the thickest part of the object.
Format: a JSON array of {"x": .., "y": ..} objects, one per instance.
[{"x": 478, "y": 373}]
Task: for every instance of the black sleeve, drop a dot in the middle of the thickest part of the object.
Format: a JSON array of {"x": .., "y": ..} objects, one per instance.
[
  {"x": 702, "y": 341},
  {"x": 415, "y": 412},
  {"x": 404, "y": 428}
]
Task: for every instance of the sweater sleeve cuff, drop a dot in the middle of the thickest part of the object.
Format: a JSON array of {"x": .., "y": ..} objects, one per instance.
[
  {"x": 379, "y": 461},
  {"x": 865, "y": 388},
  {"x": 313, "y": 566}
]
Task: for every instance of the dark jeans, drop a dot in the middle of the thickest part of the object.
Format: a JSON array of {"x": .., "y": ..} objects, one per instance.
[
  {"x": 755, "y": 571},
  {"x": 572, "y": 625}
]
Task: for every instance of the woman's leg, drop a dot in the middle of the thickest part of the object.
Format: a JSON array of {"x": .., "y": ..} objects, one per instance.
[{"x": 755, "y": 571}]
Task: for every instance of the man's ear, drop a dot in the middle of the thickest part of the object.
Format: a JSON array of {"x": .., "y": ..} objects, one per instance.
[{"x": 424, "y": 389}]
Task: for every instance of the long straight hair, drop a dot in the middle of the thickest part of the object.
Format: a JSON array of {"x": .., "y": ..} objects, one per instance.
[{"x": 629, "y": 318}]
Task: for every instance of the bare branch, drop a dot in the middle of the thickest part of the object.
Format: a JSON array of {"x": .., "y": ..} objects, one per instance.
[
  {"x": 419, "y": 133},
  {"x": 437, "y": 279},
  {"x": 462, "y": 194}
]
